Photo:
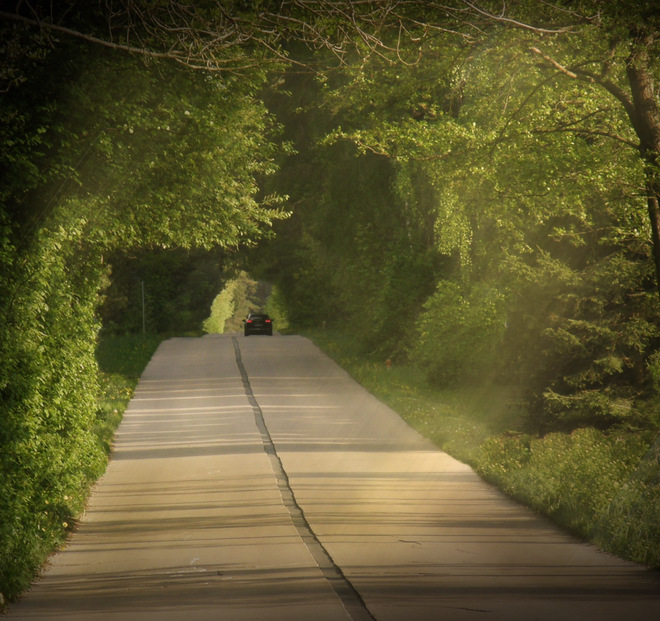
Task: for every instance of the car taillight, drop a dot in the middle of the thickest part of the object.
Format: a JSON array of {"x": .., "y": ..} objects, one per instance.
[
  {"x": 267, "y": 320},
  {"x": 249, "y": 321}
]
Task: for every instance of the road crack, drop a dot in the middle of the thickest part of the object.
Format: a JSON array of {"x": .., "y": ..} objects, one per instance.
[{"x": 341, "y": 585}]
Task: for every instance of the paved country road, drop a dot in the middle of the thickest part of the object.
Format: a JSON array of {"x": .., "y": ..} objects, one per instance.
[{"x": 252, "y": 479}]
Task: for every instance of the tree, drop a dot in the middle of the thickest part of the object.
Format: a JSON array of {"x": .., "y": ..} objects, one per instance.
[
  {"x": 622, "y": 55},
  {"x": 98, "y": 153},
  {"x": 163, "y": 291},
  {"x": 546, "y": 251},
  {"x": 493, "y": 166}
]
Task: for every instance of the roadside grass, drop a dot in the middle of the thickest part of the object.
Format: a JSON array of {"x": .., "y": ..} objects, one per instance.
[
  {"x": 601, "y": 486},
  {"x": 121, "y": 360},
  {"x": 35, "y": 534}
]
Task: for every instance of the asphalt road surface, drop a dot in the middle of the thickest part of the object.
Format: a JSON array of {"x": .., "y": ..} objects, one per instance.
[{"x": 252, "y": 479}]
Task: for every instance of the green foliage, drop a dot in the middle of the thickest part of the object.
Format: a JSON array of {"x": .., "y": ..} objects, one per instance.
[
  {"x": 630, "y": 526},
  {"x": 234, "y": 302},
  {"x": 478, "y": 208},
  {"x": 352, "y": 253},
  {"x": 197, "y": 153},
  {"x": 528, "y": 187},
  {"x": 601, "y": 487},
  {"x": 47, "y": 470},
  {"x": 221, "y": 310},
  {"x": 100, "y": 153},
  {"x": 276, "y": 308},
  {"x": 48, "y": 386},
  {"x": 179, "y": 285},
  {"x": 460, "y": 336},
  {"x": 579, "y": 340},
  {"x": 481, "y": 218}
]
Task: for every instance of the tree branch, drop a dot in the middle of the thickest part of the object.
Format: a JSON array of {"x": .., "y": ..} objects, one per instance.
[
  {"x": 574, "y": 127},
  {"x": 588, "y": 76},
  {"x": 200, "y": 38},
  {"x": 188, "y": 60},
  {"x": 554, "y": 63},
  {"x": 590, "y": 132},
  {"x": 518, "y": 24}
]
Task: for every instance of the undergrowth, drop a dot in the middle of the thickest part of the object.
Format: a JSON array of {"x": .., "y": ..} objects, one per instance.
[{"x": 603, "y": 486}]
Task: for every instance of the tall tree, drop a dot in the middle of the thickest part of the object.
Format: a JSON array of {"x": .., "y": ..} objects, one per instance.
[
  {"x": 98, "y": 152},
  {"x": 532, "y": 185}
]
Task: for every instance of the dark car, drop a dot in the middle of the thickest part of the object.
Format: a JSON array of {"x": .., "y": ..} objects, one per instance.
[{"x": 258, "y": 323}]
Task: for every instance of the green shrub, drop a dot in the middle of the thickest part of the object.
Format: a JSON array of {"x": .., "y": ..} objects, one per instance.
[
  {"x": 458, "y": 333},
  {"x": 50, "y": 461},
  {"x": 221, "y": 310},
  {"x": 276, "y": 308},
  {"x": 48, "y": 388},
  {"x": 630, "y": 526}
]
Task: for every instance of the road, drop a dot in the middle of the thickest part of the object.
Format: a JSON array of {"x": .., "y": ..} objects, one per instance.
[{"x": 253, "y": 480}]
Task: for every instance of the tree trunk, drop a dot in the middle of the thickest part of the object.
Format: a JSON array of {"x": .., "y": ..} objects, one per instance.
[
  {"x": 645, "y": 117},
  {"x": 654, "y": 215}
]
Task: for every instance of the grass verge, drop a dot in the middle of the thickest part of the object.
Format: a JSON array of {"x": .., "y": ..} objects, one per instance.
[
  {"x": 121, "y": 360},
  {"x": 601, "y": 486}
]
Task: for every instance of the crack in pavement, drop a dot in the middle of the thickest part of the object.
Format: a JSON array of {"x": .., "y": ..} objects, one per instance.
[{"x": 341, "y": 585}]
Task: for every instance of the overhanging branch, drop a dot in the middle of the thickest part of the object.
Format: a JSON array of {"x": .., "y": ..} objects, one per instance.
[
  {"x": 202, "y": 38},
  {"x": 191, "y": 60},
  {"x": 589, "y": 132},
  {"x": 592, "y": 78}
]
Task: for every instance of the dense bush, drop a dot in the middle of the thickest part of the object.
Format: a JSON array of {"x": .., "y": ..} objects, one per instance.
[
  {"x": 48, "y": 389},
  {"x": 230, "y": 307},
  {"x": 459, "y": 337},
  {"x": 161, "y": 290}
]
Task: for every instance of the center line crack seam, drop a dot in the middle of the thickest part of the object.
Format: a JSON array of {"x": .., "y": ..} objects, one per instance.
[{"x": 341, "y": 585}]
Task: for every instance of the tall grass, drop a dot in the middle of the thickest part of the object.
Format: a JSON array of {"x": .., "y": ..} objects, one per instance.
[{"x": 601, "y": 486}]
